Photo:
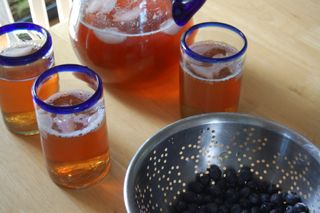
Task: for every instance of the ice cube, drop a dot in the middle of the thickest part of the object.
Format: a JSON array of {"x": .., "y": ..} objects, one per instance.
[
  {"x": 64, "y": 123},
  {"x": 46, "y": 122},
  {"x": 110, "y": 35},
  {"x": 127, "y": 15},
  {"x": 18, "y": 51},
  {"x": 200, "y": 49},
  {"x": 215, "y": 52},
  {"x": 81, "y": 119},
  {"x": 102, "y": 6},
  {"x": 207, "y": 71},
  {"x": 223, "y": 73},
  {"x": 170, "y": 27},
  {"x": 218, "y": 56}
]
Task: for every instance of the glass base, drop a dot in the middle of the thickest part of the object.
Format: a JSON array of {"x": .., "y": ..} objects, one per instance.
[
  {"x": 27, "y": 133},
  {"x": 79, "y": 175},
  {"x": 21, "y": 123}
]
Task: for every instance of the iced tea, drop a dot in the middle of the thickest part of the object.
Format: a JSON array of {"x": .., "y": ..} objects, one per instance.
[
  {"x": 129, "y": 43},
  {"x": 210, "y": 88},
  {"x": 75, "y": 146},
  {"x": 210, "y": 76},
  {"x": 72, "y": 126},
  {"x": 20, "y": 63}
]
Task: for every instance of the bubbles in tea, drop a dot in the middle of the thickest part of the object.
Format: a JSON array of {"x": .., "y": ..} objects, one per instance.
[
  {"x": 75, "y": 145},
  {"x": 210, "y": 87}
]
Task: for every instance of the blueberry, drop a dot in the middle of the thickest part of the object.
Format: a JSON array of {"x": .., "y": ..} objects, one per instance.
[
  {"x": 276, "y": 199},
  {"x": 236, "y": 208},
  {"x": 215, "y": 190},
  {"x": 276, "y": 210},
  {"x": 289, "y": 209},
  {"x": 189, "y": 197},
  {"x": 264, "y": 198},
  {"x": 199, "y": 199},
  {"x": 201, "y": 209},
  {"x": 230, "y": 171},
  {"x": 253, "y": 185},
  {"x": 266, "y": 207},
  {"x": 228, "y": 204},
  {"x": 262, "y": 186},
  {"x": 231, "y": 176},
  {"x": 204, "y": 179},
  {"x": 221, "y": 184},
  {"x": 232, "y": 197},
  {"x": 229, "y": 192},
  {"x": 180, "y": 206},
  {"x": 218, "y": 201},
  {"x": 196, "y": 187},
  {"x": 255, "y": 209},
  {"x": 236, "y": 193},
  {"x": 284, "y": 195},
  {"x": 207, "y": 198},
  {"x": 215, "y": 172},
  {"x": 245, "y": 192},
  {"x": 244, "y": 203},
  {"x": 245, "y": 174},
  {"x": 273, "y": 189},
  {"x": 254, "y": 199},
  {"x": 192, "y": 207},
  {"x": 292, "y": 198},
  {"x": 223, "y": 209},
  {"x": 212, "y": 208},
  {"x": 300, "y": 207}
]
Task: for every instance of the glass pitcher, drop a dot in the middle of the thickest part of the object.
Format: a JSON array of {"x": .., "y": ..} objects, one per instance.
[{"x": 128, "y": 42}]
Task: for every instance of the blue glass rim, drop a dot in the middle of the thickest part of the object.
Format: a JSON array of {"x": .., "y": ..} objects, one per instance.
[
  {"x": 68, "y": 109},
  {"x": 205, "y": 59},
  {"x": 27, "y": 59}
]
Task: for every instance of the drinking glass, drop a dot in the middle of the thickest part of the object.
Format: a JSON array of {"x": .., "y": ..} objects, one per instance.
[
  {"x": 211, "y": 68},
  {"x": 72, "y": 125},
  {"x": 25, "y": 52}
]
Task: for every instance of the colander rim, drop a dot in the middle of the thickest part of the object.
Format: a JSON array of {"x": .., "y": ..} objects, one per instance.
[{"x": 155, "y": 140}]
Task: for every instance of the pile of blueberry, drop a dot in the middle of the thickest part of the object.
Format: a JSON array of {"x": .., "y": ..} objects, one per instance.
[{"x": 221, "y": 192}]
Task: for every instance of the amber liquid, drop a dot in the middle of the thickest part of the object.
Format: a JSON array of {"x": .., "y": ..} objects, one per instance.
[
  {"x": 202, "y": 91},
  {"x": 135, "y": 58},
  {"x": 15, "y": 95},
  {"x": 75, "y": 146}
]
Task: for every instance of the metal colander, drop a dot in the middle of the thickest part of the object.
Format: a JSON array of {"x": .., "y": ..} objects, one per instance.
[{"x": 169, "y": 160}]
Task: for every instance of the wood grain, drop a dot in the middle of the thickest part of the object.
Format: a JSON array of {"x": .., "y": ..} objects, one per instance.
[{"x": 281, "y": 83}]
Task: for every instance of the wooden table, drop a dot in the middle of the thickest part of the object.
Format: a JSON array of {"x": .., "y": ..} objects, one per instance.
[{"x": 281, "y": 83}]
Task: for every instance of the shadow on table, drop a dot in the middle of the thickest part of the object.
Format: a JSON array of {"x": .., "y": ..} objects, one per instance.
[
  {"x": 31, "y": 140},
  {"x": 106, "y": 196},
  {"x": 158, "y": 100}
]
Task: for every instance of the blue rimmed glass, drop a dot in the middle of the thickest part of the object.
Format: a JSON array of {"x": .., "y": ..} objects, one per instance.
[
  {"x": 87, "y": 74},
  {"x": 211, "y": 68},
  {"x": 72, "y": 125},
  {"x": 25, "y": 52},
  {"x": 20, "y": 34}
]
